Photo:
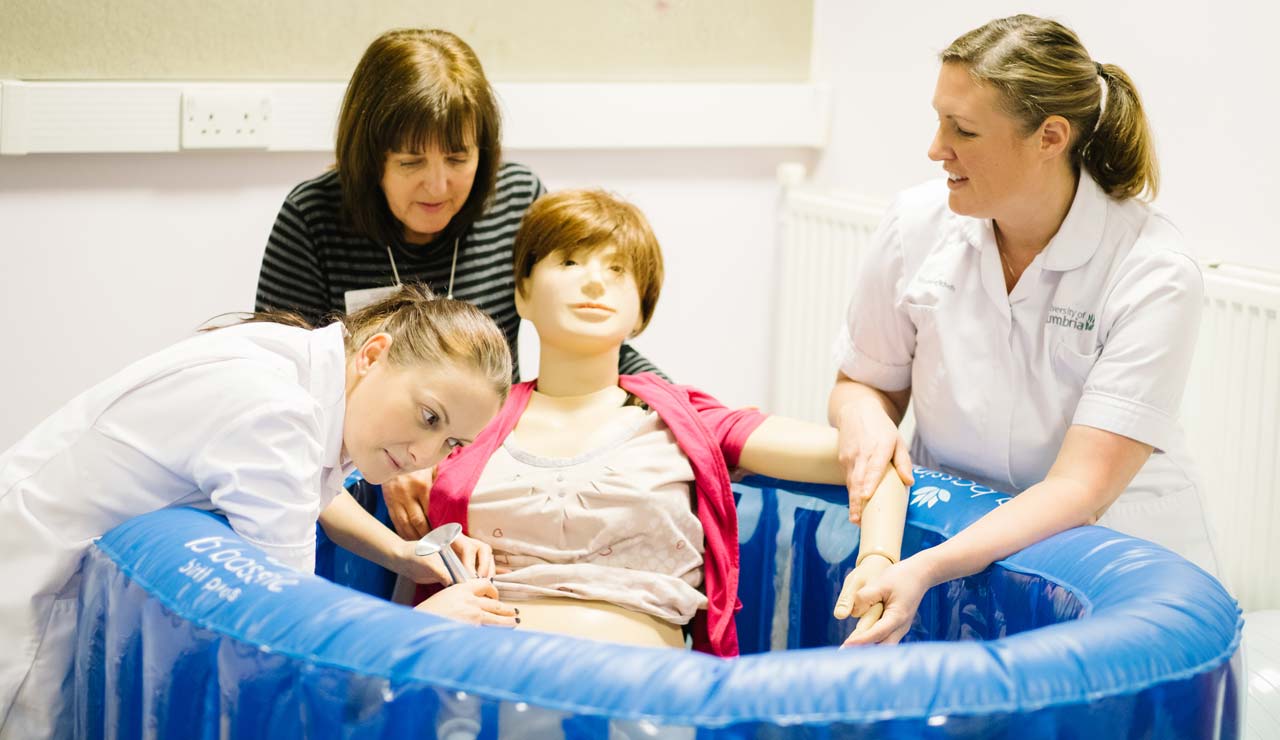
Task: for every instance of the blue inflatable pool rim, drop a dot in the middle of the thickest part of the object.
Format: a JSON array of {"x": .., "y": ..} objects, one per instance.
[{"x": 1123, "y": 598}]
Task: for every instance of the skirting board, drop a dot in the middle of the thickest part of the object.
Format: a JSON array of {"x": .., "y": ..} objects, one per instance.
[{"x": 83, "y": 117}]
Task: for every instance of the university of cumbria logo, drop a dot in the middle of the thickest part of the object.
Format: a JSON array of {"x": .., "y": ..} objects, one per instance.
[{"x": 1070, "y": 318}]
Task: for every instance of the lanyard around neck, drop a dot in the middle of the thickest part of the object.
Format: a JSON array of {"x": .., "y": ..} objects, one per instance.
[{"x": 453, "y": 268}]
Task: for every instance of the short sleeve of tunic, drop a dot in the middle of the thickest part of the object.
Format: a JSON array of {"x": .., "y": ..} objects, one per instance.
[
  {"x": 1135, "y": 387},
  {"x": 248, "y": 438},
  {"x": 878, "y": 341}
]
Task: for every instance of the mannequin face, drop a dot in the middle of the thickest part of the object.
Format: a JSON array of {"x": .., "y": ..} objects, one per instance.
[
  {"x": 585, "y": 302},
  {"x": 993, "y": 167},
  {"x": 425, "y": 190},
  {"x": 405, "y": 418}
]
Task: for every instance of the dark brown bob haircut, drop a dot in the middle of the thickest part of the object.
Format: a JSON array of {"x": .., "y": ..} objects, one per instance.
[
  {"x": 582, "y": 221},
  {"x": 414, "y": 89}
]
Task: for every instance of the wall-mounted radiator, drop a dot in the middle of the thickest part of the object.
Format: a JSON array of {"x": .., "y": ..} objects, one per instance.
[
  {"x": 1231, "y": 410},
  {"x": 824, "y": 234}
]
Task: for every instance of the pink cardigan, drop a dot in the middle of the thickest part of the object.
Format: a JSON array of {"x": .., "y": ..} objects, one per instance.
[{"x": 710, "y": 435}]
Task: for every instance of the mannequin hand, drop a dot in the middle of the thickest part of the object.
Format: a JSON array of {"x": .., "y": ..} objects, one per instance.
[
  {"x": 868, "y": 442},
  {"x": 870, "y": 569},
  {"x": 475, "y": 555},
  {"x": 899, "y": 588},
  {"x": 473, "y": 602},
  {"x": 406, "y": 498}
]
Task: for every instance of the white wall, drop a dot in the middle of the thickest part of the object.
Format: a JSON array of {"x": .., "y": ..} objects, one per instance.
[
  {"x": 1207, "y": 74},
  {"x": 109, "y": 257}
]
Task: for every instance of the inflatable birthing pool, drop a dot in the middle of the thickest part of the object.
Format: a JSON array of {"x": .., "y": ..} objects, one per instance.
[{"x": 187, "y": 631}]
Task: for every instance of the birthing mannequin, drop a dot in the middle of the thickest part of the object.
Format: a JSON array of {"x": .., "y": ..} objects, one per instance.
[
  {"x": 588, "y": 272},
  {"x": 566, "y": 426}
]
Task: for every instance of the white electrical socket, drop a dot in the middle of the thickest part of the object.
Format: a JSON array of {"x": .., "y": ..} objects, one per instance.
[{"x": 224, "y": 119}]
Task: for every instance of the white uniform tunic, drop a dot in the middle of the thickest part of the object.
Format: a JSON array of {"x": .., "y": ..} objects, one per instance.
[
  {"x": 246, "y": 420},
  {"x": 1099, "y": 331}
]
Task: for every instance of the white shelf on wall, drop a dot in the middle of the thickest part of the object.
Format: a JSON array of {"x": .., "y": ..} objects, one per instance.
[{"x": 84, "y": 117}]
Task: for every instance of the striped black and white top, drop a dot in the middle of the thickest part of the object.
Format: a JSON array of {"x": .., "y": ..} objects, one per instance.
[{"x": 313, "y": 258}]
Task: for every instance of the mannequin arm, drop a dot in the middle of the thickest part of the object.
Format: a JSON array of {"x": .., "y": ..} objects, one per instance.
[
  {"x": 879, "y": 546},
  {"x": 883, "y": 519},
  {"x": 793, "y": 450}
]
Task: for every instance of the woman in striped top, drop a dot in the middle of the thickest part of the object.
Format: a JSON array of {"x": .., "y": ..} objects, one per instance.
[{"x": 418, "y": 194}]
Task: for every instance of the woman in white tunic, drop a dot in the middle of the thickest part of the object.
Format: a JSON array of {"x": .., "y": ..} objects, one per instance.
[
  {"x": 262, "y": 422},
  {"x": 1040, "y": 317}
]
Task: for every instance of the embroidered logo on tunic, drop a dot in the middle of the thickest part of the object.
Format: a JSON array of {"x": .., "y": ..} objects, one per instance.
[{"x": 1070, "y": 318}]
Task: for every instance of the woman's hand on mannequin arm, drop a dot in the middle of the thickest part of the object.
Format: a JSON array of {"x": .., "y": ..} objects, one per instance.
[
  {"x": 1092, "y": 469},
  {"x": 350, "y": 526},
  {"x": 867, "y": 571},
  {"x": 800, "y": 451},
  {"x": 473, "y": 602},
  {"x": 879, "y": 547},
  {"x": 867, "y": 421},
  {"x": 406, "y": 497}
]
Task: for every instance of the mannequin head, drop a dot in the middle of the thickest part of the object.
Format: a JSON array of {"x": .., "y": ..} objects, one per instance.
[{"x": 588, "y": 270}]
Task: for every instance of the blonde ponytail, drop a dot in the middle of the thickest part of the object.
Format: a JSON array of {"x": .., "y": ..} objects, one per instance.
[
  {"x": 1041, "y": 69},
  {"x": 431, "y": 330},
  {"x": 424, "y": 330}
]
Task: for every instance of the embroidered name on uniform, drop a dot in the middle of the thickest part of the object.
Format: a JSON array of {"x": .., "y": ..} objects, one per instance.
[
  {"x": 938, "y": 282},
  {"x": 1070, "y": 318}
]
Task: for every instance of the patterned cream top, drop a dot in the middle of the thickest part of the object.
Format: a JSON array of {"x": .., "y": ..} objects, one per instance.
[{"x": 613, "y": 524}]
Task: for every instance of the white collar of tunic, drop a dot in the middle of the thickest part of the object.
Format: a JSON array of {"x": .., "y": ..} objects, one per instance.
[{"x": 1077, "y": 239}]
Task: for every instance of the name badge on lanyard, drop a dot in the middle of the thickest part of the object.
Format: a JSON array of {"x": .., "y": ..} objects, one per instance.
[{"x": 358, "y": 299}]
